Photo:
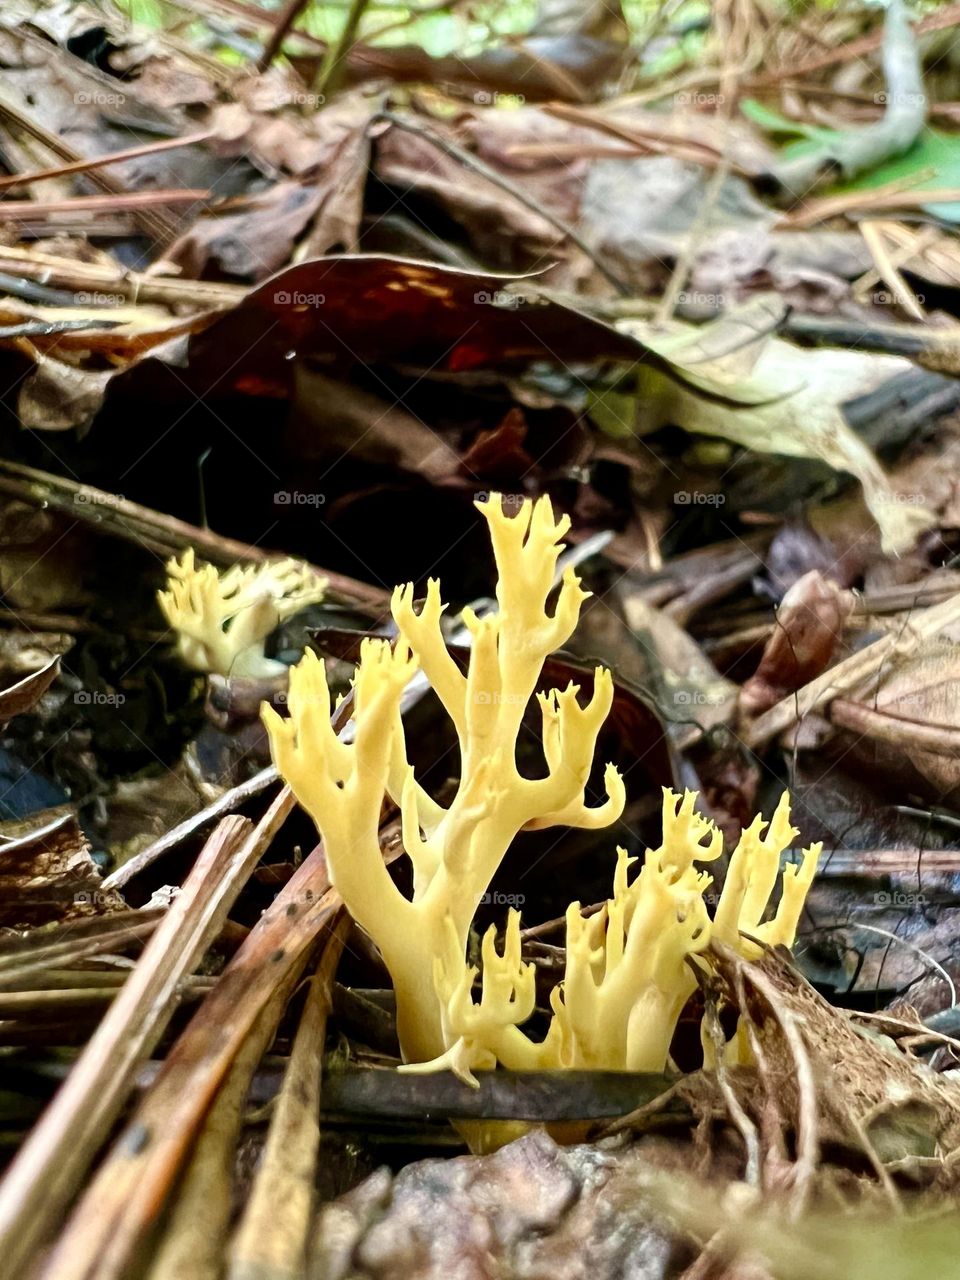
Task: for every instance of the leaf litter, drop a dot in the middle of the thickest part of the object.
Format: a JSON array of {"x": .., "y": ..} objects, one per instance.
[{"x": 322, "y": 305}]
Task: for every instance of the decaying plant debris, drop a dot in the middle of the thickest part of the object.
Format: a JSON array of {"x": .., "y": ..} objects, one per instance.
[{"x": 298, "y": 302}]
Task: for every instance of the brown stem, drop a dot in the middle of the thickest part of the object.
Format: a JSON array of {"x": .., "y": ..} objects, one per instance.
[
  {"x": 331, "y": 68},
  {"x": 285, "y": 20}
]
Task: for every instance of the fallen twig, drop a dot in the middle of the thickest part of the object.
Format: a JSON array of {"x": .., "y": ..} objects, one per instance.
[
  {"x": 271, "y": 1238},
  {"x": 98, "y": 162},
  {"x": 139, "y": 287}
]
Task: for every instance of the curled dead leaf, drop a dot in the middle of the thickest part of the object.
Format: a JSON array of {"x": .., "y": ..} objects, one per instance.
[{"x": 806, "y": 633}]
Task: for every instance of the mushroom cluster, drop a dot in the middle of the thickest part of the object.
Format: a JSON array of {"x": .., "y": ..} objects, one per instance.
[{"x": 630, "y": 966}]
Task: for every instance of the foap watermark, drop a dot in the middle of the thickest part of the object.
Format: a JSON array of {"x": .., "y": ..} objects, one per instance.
[
  {"x": 912, "y": 698},
  {"x": 895, "y": 898},
  {"x": 99, "y": 98},
  {"x": 486, "y": 699},
  {"x": 698, "y": 98},
  {"x": 485, "y": 98},
  {"x": 697, "y": 298},
  {"x": 497, "y": 898},
  {"x": 500, "y": 298},
  {"x": 891, "y": 298},
  {"x": 92, "y": 498},
  {"x": 302, "y": 98},
  {"x": 698, "y": 498},
  {"x": 298, "y": 498},
  {"x": 297, "y": 298},
  {"x": 281, "y": 697},
  {"x": 97, "y": 698},
  {"x": 512, "y": 501},
  {"x": 93, "y": 898},
  {"x": 96, "y": 299},
  {"x": 899, "y": 99},
  {"x": 698, "y": 698},
  {"x": 893, "y": 499}
]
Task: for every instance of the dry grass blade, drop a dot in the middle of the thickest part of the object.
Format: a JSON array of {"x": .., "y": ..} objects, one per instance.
[
  {"x": 28, "y": 210},
  {"x": 127, "y": 1196},
  {"x": 14, "y": 1004},
  {"x": 892, "y": 196},
  {"x": 949, "y": 16},
  {"x": 71, "y": 942},
  {"x": 899, "y": 731},
  {"x": 116, "y": 157},
  {"x": 54, "y": 997},
  {"x": 196, "y": 1234},
  {"x": 153, "y": 222},
  {"x": 272, "y": 1236},
  {"x": 51, "y": 1164},
  {"x": 887, "y": 270}
]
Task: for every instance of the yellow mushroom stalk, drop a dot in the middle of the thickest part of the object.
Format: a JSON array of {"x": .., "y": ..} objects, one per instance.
[
  {"x": 223, "y": 619},
  {"x": 629, "y": 967}
]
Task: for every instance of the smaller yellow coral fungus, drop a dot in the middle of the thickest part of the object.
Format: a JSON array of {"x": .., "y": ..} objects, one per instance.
[{"x": 223, "y": 619}]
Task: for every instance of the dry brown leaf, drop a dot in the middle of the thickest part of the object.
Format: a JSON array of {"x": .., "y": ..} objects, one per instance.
[
  {"x": 26, "y": 693},
  {"x": 806, "y": 633}
]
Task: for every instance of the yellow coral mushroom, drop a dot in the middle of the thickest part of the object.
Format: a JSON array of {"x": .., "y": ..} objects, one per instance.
[
  {"x": 455, "y": 851},
  {"x": 223, "y": 619},
  {"x": 628, "y": 967}
]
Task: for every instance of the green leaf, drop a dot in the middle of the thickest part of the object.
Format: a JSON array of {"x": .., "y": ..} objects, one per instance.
[
  {"x": 773, "y": 122},
  {"x": 935, "y": 150}
]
